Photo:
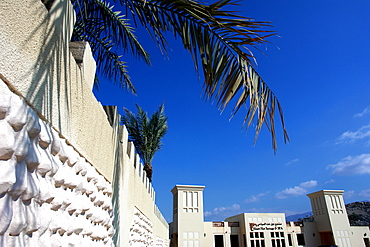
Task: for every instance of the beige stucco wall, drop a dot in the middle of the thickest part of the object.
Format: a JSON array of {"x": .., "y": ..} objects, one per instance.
[
  {"x": 188, "y": 215},
  {"x": 36, "y": 62},
  {"x": 312, "y": 236},
  {"x": 208, "y": 231},
  {"x": 136, "y": 194},
  {"x": 49, "y": 194},
  {"x": 330, "y": 214},
  {"x": 359, "y": 234}
]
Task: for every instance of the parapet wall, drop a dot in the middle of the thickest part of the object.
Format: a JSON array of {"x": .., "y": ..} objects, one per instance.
[
  {"x": 36, "y": 62},
  {"x": 144, "y": 225},
  {"x": 49, "y": 193},
  {"x": 62, "y": 162}
]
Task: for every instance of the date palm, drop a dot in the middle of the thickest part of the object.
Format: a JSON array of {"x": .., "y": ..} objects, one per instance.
[
  {"x": 146, "y": 134},
  {"x": 218, "y": 39}
]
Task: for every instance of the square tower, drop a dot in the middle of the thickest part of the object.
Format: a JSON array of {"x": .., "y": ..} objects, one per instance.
[
  {"x": 330, "y": 216},
  {"x": 187, "y": 228}
]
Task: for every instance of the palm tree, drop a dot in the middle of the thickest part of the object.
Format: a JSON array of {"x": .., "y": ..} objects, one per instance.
[
  {"x": 146, "y": 134},
  {"x": 218, "y": 40}
]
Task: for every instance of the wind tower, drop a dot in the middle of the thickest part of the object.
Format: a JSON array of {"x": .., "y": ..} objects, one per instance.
[
  {"x": 331, "y": 218},
  {"x": 187, "y": 228}
]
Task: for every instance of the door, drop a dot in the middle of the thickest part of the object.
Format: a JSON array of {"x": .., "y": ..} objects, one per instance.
[
  {"x": 219, "y": 241},
  {"x": 234, "y": 239}
]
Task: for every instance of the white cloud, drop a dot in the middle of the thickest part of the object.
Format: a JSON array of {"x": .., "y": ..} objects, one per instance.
[
  {"x": 255, "y": 198},
  {"x": 291, "y": 162},
  {"x": 221, "y": 213},
  {"x": 351, "y": 136},
  {"x": 352, "y": 165},
  {"x": 299, "y": 190},
  {"x": 348, "y": 194},
  {"x": 365, "y": 193},
  {"x": 330, "y": 181},
  {"x": 295, "y": 191},
  {"x": 309, "y": 184},
  {"x": 364, "y": 112}
]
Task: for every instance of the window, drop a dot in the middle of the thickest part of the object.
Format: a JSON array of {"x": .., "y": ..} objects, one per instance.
[
  {"x": 300, "y": 239},
  {"x": 343, "y": 238},
  {"x": 175, "y": 202},
  {"x": 290, "y": 239},
  {"x": 366, "y": 241},
  {"x": 234, "y": 240},
  {"x": 219, "y": 241},
  {"x": 190, "y": 199},
  {"x": 233, "y": 224},
  {"x": 190, "y": 202},
  {"x": 218, "y": 224},
  {"x": 257, "y": 239},
  {"x": 195, "y": 199},
  {"x": 191, "y": 239},
  {"x": 277, "y": 239}
]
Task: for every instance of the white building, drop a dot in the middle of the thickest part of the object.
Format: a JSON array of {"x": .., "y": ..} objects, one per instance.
[
  {"x": 187, "y": 226},
  {"x": 329, "y": 225}
]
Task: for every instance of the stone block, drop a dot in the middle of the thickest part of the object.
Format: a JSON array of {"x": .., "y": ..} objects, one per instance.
[
  {"x": 5, "y": 99},
  {"x": 33, "y": 126},
  {"x": 19, "y": 219},
  {"x": 7, "y": 174},
  {"x": 21, "y": 144},
  {"x": 33, "y": 187},
  {"x": 17, "y": 116},
  {"x": 55, "y": 145},
  {"x": 21, "y": 182},
  {"x": 32, "y": 216},
  {"x": 32, "y": 159},
  {"x": 45, "y": 136},
  {"x": 6, "y": 213},
  {"x": 7, "y": 140}
]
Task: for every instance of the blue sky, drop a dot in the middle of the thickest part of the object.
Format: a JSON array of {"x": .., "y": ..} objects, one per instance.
[{"x": 319, "y": 68}]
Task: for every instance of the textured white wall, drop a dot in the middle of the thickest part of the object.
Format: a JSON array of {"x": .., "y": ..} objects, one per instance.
[
  {"x": 58, "y": 151},
  {"x": 136, "y": 200},
  {"x": 35, "y": 61},
  {"x": 50, "y": 195}
]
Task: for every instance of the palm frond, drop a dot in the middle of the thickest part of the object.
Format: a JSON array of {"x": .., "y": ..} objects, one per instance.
[
  {"x": 108, "y": 33},
  {"x": 146, "y": 133},
  {"x": 219, "y": 42}
]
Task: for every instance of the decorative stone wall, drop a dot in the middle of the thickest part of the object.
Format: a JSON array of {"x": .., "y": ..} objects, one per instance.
[
  {"x": 160, "y": 242},
  {"x": 141, "y": 230},
  {"x": 142, "y": 234},
  {"x": 49, "y": 194},
  {"x": 141, "y": 222},
  {"x": 58, "y": 150}
]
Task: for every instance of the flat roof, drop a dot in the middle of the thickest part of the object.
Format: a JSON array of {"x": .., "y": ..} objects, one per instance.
[
  {"x": 326, "y": 192},
  {"x": 188, "y": 187}
]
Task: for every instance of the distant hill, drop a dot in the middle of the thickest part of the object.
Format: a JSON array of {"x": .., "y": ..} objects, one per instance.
[
  {"x": 358, "y": 214},
  {"x": 298, "y": 217}
]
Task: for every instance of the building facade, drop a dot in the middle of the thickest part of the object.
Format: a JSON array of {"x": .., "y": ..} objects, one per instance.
[
  {"x": 188, "y": 227},
  {"x": 329, "y": 225}
]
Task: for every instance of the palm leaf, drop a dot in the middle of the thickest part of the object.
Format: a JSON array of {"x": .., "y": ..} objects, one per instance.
[
  {"x": 146, "y": 133},
  {"x": 217, "y": 40},
  {"x": 109, "y": 33}
]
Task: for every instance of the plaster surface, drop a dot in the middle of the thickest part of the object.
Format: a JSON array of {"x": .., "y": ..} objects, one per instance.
[
  {"x": 60, "y": 157},
  {"x": 50, "y": 195}
]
